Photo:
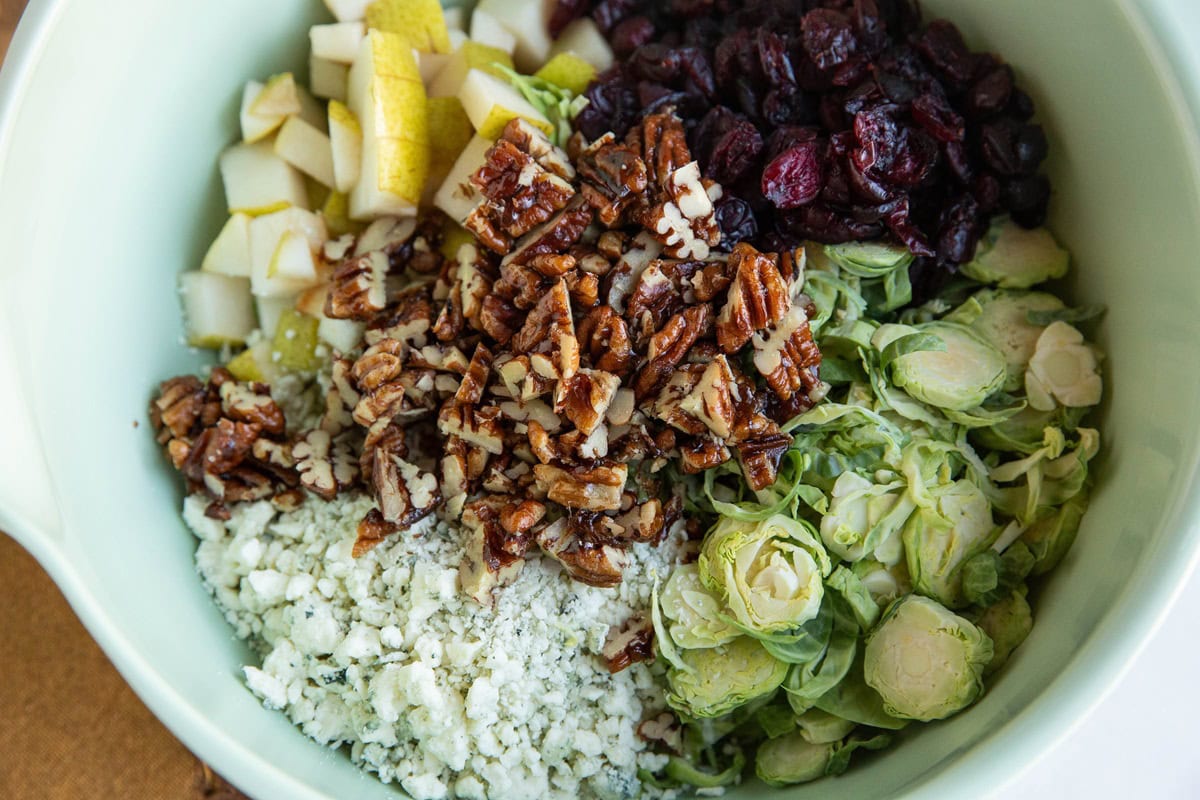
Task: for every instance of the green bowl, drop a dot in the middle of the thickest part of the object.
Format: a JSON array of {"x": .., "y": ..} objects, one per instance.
[{"x": 108, "y": 188}]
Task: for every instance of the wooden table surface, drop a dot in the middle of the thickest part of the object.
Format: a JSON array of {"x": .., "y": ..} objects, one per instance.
[{"x": 70, "y": 728}]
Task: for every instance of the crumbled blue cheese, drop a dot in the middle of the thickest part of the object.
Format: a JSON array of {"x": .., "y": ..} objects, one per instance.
[{"x": 384, "y": 654}]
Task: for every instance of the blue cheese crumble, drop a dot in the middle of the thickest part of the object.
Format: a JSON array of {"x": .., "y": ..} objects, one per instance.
[{"x": 384, "y": 655}]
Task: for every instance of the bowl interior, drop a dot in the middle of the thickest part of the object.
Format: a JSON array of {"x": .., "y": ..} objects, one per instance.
[{"x": 110, "y": 189}]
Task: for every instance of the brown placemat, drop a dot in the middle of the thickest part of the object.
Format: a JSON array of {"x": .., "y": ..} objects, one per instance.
[{"x": 70, "y": 728}]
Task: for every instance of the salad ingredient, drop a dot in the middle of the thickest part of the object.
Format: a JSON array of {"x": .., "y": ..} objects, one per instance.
[
  {"x": 527, "y": 21},
  {"x": 217, "y": 309},
  {"x": 457, "y": 196},
  {"x": 229, "y": 253},
  {"x": 925, "y": 662},
  {"x": 1013, "y": 257},
  {"x": 346, "y": 146},
  {"x": 942, "y": 536},
  {"x": 567, "y": 71},
  {"x": 418, "y": 22},
  {"x": 710, "y": 682},
  {"x": 1064, "y": 370},
  {"x": 487, "y": 30},
  {"x": 338, "y": 42},
  {"x": 491, "y": 102},
  {"x": 257, "y": 181},
  {"x": 959, "y": 375},
  {"x": 583, "y": 39},
  {"x": 1002, "y": 317},
  {"x": 307, "y": 149},
  {"x": 1007, "y": 622},
  {"x": 328, "y": 79},
  {"x": 284, "y": 252},
  {"x": 693, "y": 613},
  {"x": 471, "y": 55}
]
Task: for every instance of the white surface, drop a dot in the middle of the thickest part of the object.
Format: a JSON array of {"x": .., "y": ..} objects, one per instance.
[{"x": 1141, "y": 742}]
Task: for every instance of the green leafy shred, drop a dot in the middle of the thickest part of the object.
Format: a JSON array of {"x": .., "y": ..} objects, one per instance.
[{"x": 560, "y": 106}]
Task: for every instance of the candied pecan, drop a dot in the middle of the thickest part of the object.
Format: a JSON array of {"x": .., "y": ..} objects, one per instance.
[
  {"x": 710, "y": 281},
  {"x": 475, "y": 381},
  {"x": 620, "y": 411},
  {"x": 556, "y": 236},
  {"x": 629, "y": 644},
  {"x": 550, "y": 329},
  {"x": 664, "y": 145},
  {"x": 481, "y": 222},
  {"x": 552, "y": 265},
  {"x": 451, "y": 321},
  {"x": 592, "y": 262},
  {"x": 406, "y": 494},
  {"x": 532, "y": 411},
  {"x": 664, "y": 729},
  {"x": 601, "y": 565},
  {"x": 595, "y": 488},
  {"x": 760, "y": 459},
  {"x": 519, "y": 516},
  {"x": 379, "y": 364},
  {"x": 646, "y": 522},
  {"x": 619, "y": 282},
  {"x": 479, "y": 426},
  {"x": 372, "y": 530},
  {"x": 499, "y": 318},
  {"x": 325, "y": 467},
  {"x": 668, "y": 348},
  {"x": 584, "y": 398},
  {"x": 787, "y": 357},
  {"x": 584, "y": 288},
  {"x": 699, "y": 399},
  {"x": 384, "y": 403},
  {"x": 241, "y": 485},
  {"x": 359, "y": 287},
  {"x": 614, "y": 180},
  {"x": 493, "y": 557},
  {"x": 655, "y": 297},
  {"x": 519, "y": 193},
  {"x": 219, "y": 449},
  {"x": 702, "y": 454},
  {"x": 605, "y": 338},
  {"x": 176, "y": 411},
  {"x": 524, "y": 284},
  {"x": 758, "y": 297},
  {"x": 612, "y": 245},
  {"x": 533, "y": 141},
  {"x": 540, "y": 444},
  {"x": 682, "y": 215},
  {"x": 407, "y": 319}
]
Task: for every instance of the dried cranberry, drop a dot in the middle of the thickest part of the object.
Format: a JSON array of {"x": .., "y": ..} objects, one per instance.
[
  {"x": 943, "y": 47},
  {"x": 828, "y": 38},
  {"x": 1020, "y": 105},
  {"x": 630, "y": 34},
  {"x": 960, "y": 231},
  {"x": 612, "y": 106},
  {"x": 608, "y": 13},
  {"x": 890, "y": 150},
  {"x": 1027, "y": 200},
  {"x": 795, "y": 176},
  {"x": 734, "y": 152},
  {"x": 822, "y": 224},
  {"x": 773, "y": 56},
  {"x": 894, "y": 87},
  {"x": 1012, "y": 148},
  {"x": 788, "y": 137},
  {"x": 991, "y": 92},
  {"x": 900, "y": 223},
  {"x": 959, "y": 161},
  {"x": 933, "y": 113},
  {"x": 565, "y": 12},
  {"x": 736, "y": 219},
  {"x": 691, "y": 8},
  {"x": 787, "y": 105}
]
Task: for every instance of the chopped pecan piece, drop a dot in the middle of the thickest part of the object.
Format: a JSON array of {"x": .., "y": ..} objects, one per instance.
[
  {"x": 584, "y": 398},
  {"x": 668, "y": 348},
  {"x": 758, "y": 297},
  {"x": 379, "y": 364},
  {"x": 787, "y": 357},
  {"x": 655, "y": 297},
  {"x": 480, "y": 426},
  {"x": 554, "y": 236},
  {"x": 372, "y": 530},
  {"x": 620, "y": 280},
  {"x": 629, "y": 644},
  {"x": 596, "y": 565},
  {"x": 220, "y": 449},
  {"x": 760, "y": 459},
  {"x": 698, "y": 399},
  {"x": 176, "y": 412},
  {"x": 551, "y": 330},
  {"x": 314, "y": 461},
  {"x": 408, "y": 319},
  {"x": 614, "y": 180},
  {"x": 493, "y": 558},
  {"x": 665, "y": 729},
  {"x": 590, "y": 488},
  {"x": 584, "y": 288},
  {"x": 519, "y": 517},
  {"x": 470, "y": 391},
  {"x": 605, "y": 338},
  {"x": 702, "y": 454},
  {"x": 359, "y": 289},
  {"x": 519, "y": 194},
  {"x": 710, "y": 281},
  {"x": 406, "y": 494},
  {"x": 523, "y": 283},
  {"x": 646, "y": 522},
  {"x": 451, "y": 322}
]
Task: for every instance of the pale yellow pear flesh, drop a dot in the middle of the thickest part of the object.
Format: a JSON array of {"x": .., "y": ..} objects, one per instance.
[
  {"x": 329, "y": 80},
  {"x": 486, "y": 29},
  {"x": 528, "y": 21},
  {"x": 431, "y": 65},
  {"x": 343, "y": 335},
  {"x": 568, "y": 71},
  {"x": 348, "y": 10},
  {"x": 583, "y": 38},
  {"x": 229, "y": 253},
  {"x": 256, "y": 127},
  {"x": 284, "y": 252},
  {"x": 270, "y": 310},
  {"x": 218, "y": 309},
  {"x": 338, "y": 42},
  {"x": 279, "y": 97},
  {"x": 457, "y": 196},
  {"x": 307, "y": 149},
  {"x": 491, "y": 103},
  {"x": 257, "y": 181},
  {"x": 346, "y": 140},
  {"x": 450, "y": 131},
  {"x": 471, "y": 55}
]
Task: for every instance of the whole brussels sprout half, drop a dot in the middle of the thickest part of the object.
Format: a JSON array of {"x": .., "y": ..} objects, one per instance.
[
  {"x": 958, "y": 378},
  {"x": 691, "y": 611},
  {"x": 940, "y": 538},
  {"x": 715, "y": 681},
  {"x": 925, "y": 661},
  {"x": 768, "y": 573},
  {"x": 1001, "y": 317}
]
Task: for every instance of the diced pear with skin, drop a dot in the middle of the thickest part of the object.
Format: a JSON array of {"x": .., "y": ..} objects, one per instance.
[
  {"x": 256, "y": 127},
  {"x": 338, "y": 42},
  {"x": 449, "y": 132},
  {"x": 270, "y": 309},
  {"x": 336, "y": 213},
  {"x": 568, "y": 71},
  {"x": 471, "y": 55},
  {"x": 245, "y": 367},
  {"x": 284, "y": 252},
  {"x": 257, "y": 181},
  {"x": 457, "y": 197},
  {"x": 279, "y": 97},
  {"x": 388, "y": 97},
  {"x": 486, "y": 29},
  {"x": 421, "y": 22},
  {"x": 431, "y": 65},
  {"x": 529, "y": 22},
  {"x": 346, "y": 137},
  {"x": 456, "y": 18},
  {"x": 343, "y": 335},
  {"x": 229, "y": 253},
  {"x": 218, "y": 309},
  {"x": 294, "y": 346},
  {"x": 454, "y": 236},
  {"x": 491, "y": 103},
  {"x": 307, "y": 149},
  {"x": 583, "y": 38},
  {"x": 328, "y": 79}
]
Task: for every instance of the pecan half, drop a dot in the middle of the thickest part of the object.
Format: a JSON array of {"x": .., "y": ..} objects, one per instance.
[
  {"x": 668, "y": 348},
  {"x": 788, "y": 358},
  {"x": 359, "y": 287},
  {"x": 760, "y": 459},
  {"x": 757, "y": 298}
]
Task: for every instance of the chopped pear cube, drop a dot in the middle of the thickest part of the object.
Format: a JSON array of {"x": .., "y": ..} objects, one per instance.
[
  {"x": 259, "y": 182},
  {"x": 279, "y": 97},
  {"x": 388, "y": 97},
  {"x": 583, "y": 38},
  {"x": 348, "y": 10},
  {"x": 307, "y": 149},
  {"x": 420, "y": 22},
  {"x": 491, "y": 102},
  {"x": 529, "y": 22},
  {"x": 285, "y": 252},
  {"x": 456, "y": 18},
  {"x": 347, "y": 141},
  {"x": 431, "y": 65},
  {"x": 338, "y": 42},
  {"x": 328, "y": 79},
  {"x": 568, "y": 71},
  {"x": 454, "y": 236},
  {"x": 256, "y": 127},
  {"x": 486, "y": 29},
  {"x": 218, "y": 309},
  {"x": 318, "y": 192},
  {"x": 336, "y": 213},
  {"x": 472, "y": 55},
  {"x": 457, "y": 39},
  {"x": 230, "y": 251},
  {"x": 269, "y": 310},
  {"x": 295, "y": 344},
  {"x": 312, "y": 110},
  {"x": 245, "y": 367},
  {"x": 449, "y": 132},
  {"x": 457, "y": 196},
  {"x": 343, "y": 335}
]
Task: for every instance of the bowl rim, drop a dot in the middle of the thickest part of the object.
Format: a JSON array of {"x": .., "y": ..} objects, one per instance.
[{"x": 1110, "y": 652}]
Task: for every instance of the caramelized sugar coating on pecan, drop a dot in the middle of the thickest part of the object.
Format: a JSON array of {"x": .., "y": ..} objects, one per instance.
[
  {"x": 629, "y": 644},
  {"x": 758, "y": 297}
]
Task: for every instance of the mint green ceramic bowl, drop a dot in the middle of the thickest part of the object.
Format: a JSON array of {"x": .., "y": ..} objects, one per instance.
[{"x": 113, "y": 114}]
